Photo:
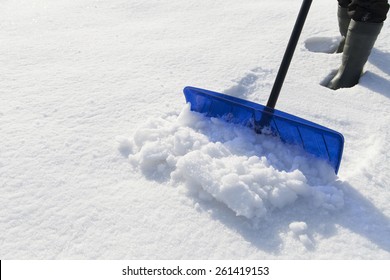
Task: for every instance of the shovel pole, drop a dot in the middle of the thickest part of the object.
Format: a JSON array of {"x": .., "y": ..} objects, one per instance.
[{"x": 288, "y": 54}]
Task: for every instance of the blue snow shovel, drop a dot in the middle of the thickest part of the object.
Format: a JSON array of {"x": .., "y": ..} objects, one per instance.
[{"x": 315, "y": 139}]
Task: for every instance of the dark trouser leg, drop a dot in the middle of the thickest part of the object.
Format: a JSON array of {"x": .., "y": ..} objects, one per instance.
[
  {"x": 368, "y": 10},
  {"x": 364, "y": 28}
]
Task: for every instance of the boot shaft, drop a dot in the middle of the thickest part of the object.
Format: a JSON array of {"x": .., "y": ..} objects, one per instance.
[{"x": 361, "y": 37}]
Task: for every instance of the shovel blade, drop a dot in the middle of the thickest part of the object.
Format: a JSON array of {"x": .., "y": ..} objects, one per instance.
[{"x": 315, "y": 139}]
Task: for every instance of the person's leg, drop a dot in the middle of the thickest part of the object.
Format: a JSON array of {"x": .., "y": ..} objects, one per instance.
[
  {"x": 343, "y": 21},
  {"x": 360, "y": 39},
  {"x": 363, "y": 30}
]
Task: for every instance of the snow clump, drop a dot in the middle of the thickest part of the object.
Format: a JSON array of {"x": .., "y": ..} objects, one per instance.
[{"x": 251, "y": 174}]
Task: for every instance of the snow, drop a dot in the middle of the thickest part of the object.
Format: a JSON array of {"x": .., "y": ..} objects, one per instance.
[
  {"x": 100, "y": 157},
  {"x": 298, "y": 227}
]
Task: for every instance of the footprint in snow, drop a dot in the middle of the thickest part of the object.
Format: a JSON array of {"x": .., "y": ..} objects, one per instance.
[
  {"x": 322, "y": 44},
  {"x": 247, "y": 85}
]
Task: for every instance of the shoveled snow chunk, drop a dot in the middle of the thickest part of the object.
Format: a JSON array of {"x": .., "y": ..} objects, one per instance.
[{"x": 298, "y": 227}]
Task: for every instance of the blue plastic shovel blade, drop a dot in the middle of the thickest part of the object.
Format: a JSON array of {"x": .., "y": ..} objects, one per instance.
[{"x": 317, "y": 140}]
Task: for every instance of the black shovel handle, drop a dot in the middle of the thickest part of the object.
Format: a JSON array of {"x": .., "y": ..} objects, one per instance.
[{"x": 289, "y": 53}]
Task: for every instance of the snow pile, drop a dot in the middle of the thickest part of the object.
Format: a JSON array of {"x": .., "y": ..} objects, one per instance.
[{"x": 251, "y": 174}]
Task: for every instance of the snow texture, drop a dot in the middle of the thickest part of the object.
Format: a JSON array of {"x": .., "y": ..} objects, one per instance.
[{"x": 100, "y": 157}]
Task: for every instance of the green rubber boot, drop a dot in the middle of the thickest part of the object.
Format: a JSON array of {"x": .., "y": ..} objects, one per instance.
[
  {"x": 343, "y": 21},
  {"x": 359, "y": 42}
]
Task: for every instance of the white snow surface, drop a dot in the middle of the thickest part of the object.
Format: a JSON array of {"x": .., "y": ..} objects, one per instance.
[{"x": 100, "y": 157}]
